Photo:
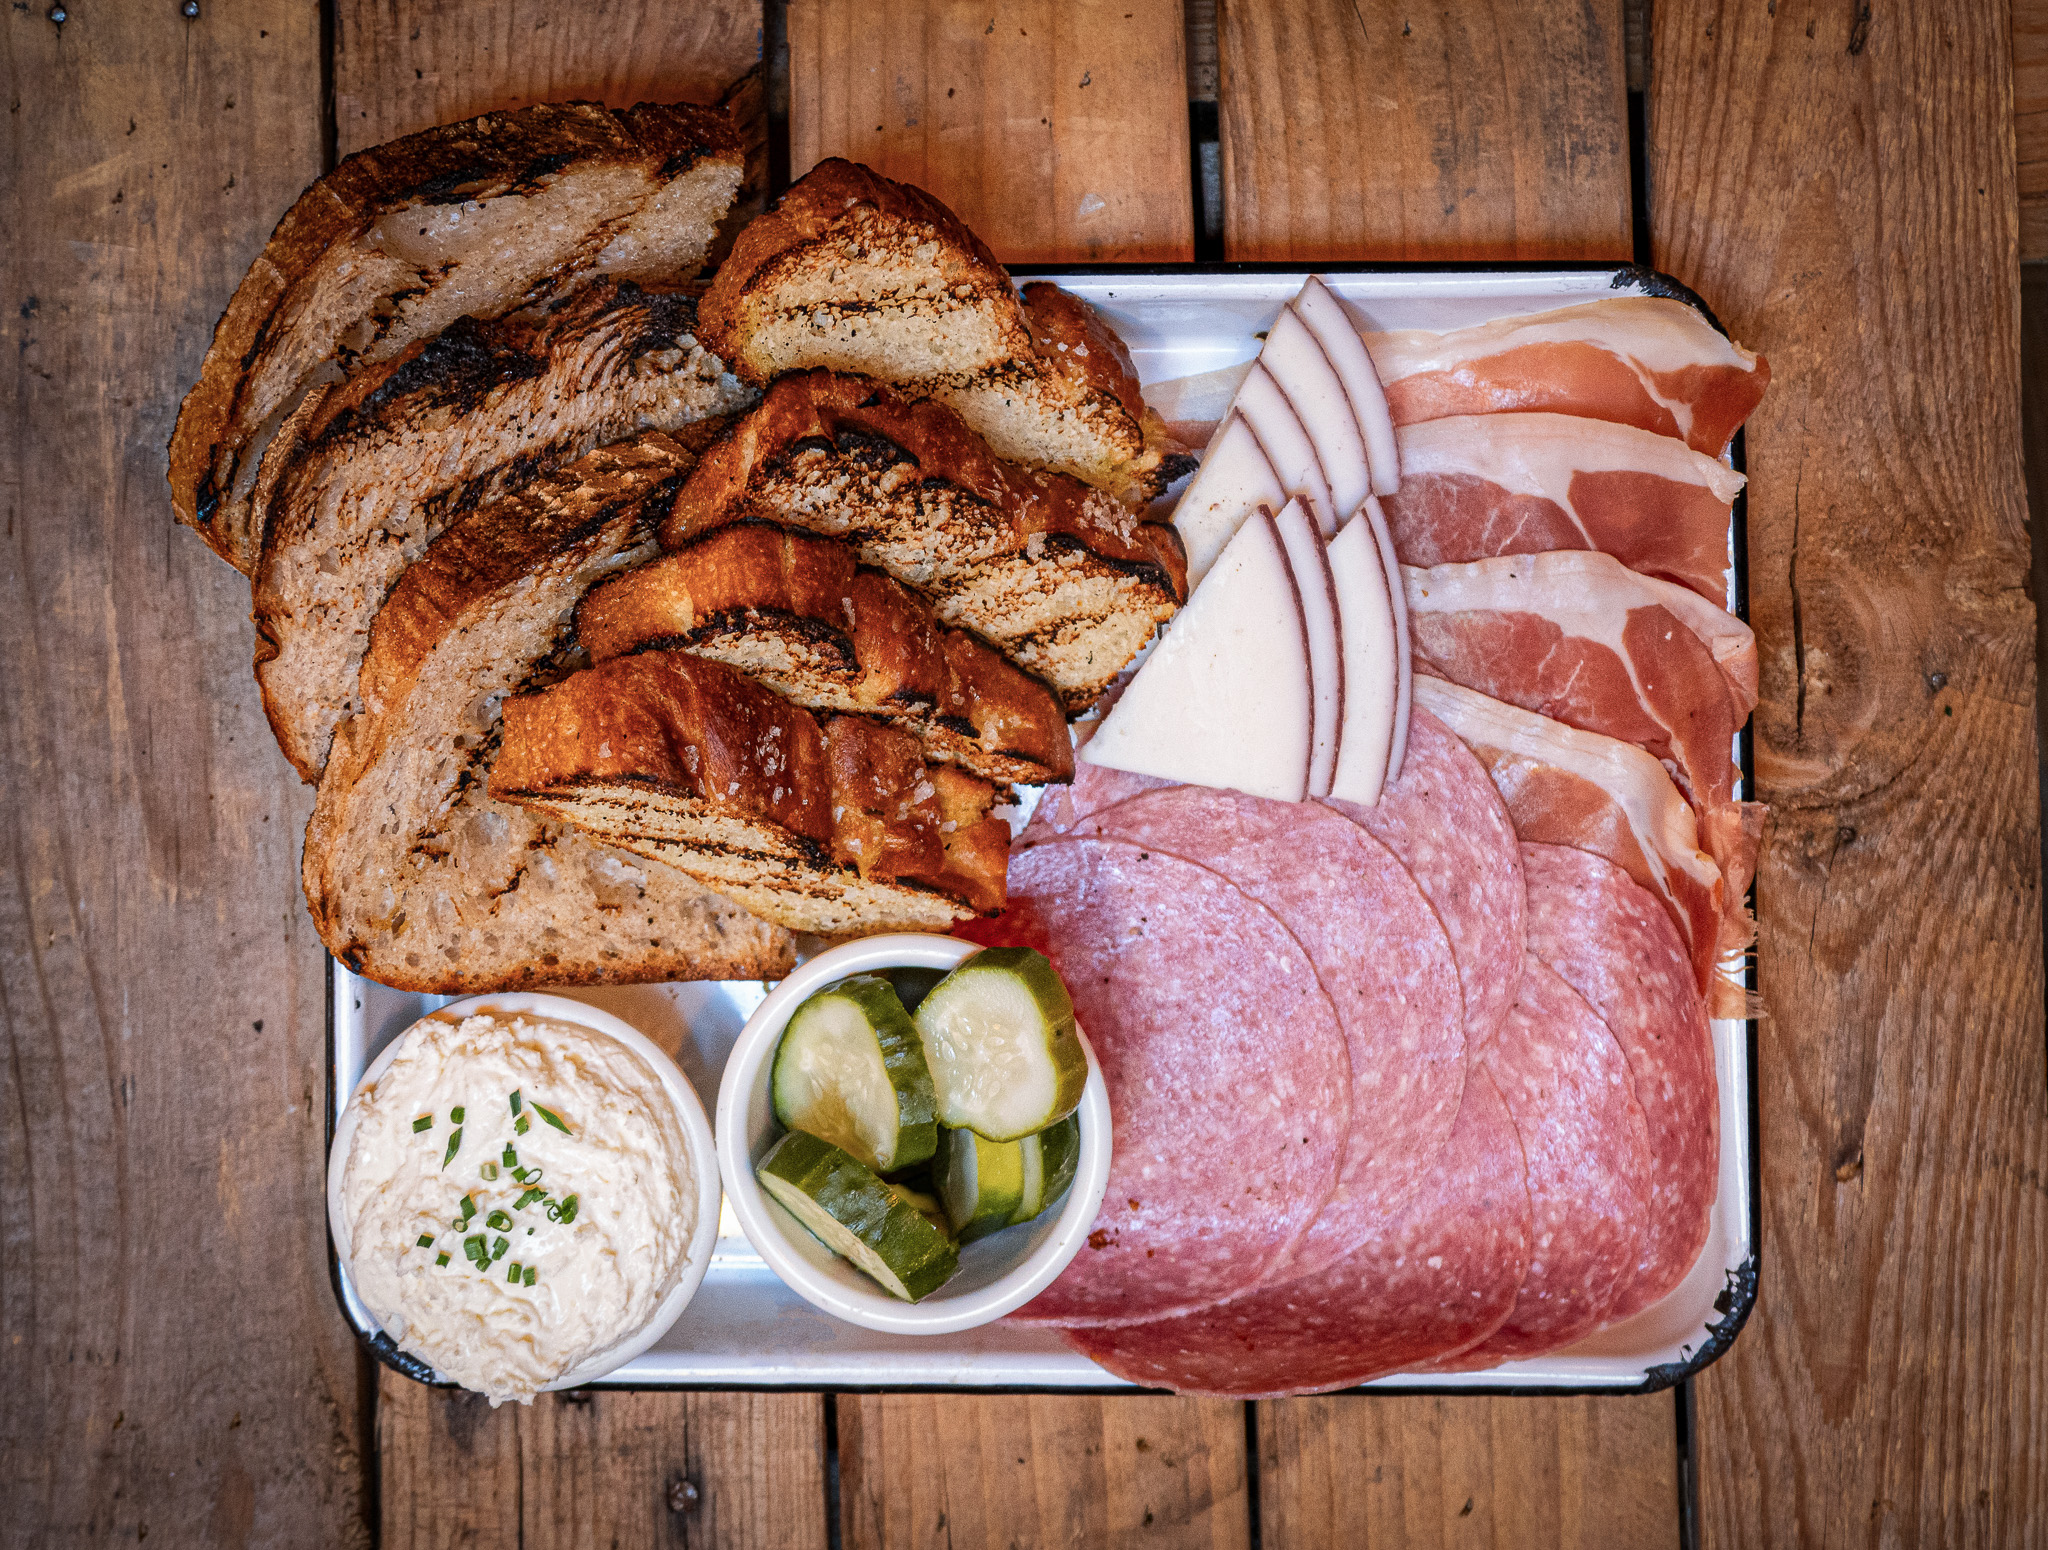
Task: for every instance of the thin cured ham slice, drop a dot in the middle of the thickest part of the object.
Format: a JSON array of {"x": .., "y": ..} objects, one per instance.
[
  {"x": 1477, "y": 486},
  {"x": 1566, "y": 787},
  {"x": 1579, "y": 638},
  {"x": 1613, "y": 944},
  {"x": 1637, "y": 360},
  {"x": 1567, "y": 1085},
  {"x": 1229, "y": 1082},
  {"x": 1379, "y": 951},
  {"x": 1428, "y": 1283}
]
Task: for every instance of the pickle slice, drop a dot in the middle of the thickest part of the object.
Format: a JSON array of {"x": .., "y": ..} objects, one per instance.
[
  {"x": 1000, "y": 1043},
  {"x": 1050, "y": 1159},
  {"x": 981, "y": 1181},
  {"x": 857, "y": 1216},
  {"x": 851, "y": 1069}
]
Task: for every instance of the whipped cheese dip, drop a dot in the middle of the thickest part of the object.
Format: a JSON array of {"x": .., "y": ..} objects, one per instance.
[{"x": 519, "y": 1198}]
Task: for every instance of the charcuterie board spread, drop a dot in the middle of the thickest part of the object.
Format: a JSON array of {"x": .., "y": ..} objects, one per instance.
[{"x": 1350, "y": 727}]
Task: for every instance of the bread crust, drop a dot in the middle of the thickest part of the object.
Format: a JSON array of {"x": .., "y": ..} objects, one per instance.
[
  {"x": 272, "y": 333},
  {"x": 795, "y": 610}
]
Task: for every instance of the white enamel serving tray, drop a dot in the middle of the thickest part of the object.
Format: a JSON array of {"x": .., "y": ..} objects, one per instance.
[{"x": 745, "y": 1329}]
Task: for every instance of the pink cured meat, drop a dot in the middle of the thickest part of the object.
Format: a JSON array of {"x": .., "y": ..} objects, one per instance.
[
  {"x": 1614, "y": 944},
  {"x": 1567, "y": 1084},
  {"x": 1229, "y": 1085},
  {"x": 1094, "y": 787},
  {"x": 1436, "y": 1279},
  {"x": 1445, "y": 822},
  {"x": 1379, "y": 951}
]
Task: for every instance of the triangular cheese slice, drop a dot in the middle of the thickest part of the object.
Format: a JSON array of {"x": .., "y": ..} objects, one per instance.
[
  {"x": 1319, "y": 308},
  {"x": 1371, "y": 664},
  {"x": 1309, "y": 558},
  {"x": 1235, "y": 480}
]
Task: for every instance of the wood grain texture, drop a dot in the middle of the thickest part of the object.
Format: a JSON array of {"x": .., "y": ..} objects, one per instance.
[
  {"x": 1510, "y": 1472},
  {"x": 1372, "y": 129},
  {"x": 601, "y": 1468},
  {"x": 1057, "y": 129},
  {"x": 1839, "y": 182},
  {"x": 172, "y": 1364},
  {"x": 2030, "y": 121},
  {"x": 1039, "y": 1470},
  {"x": 405, "y": 65}
]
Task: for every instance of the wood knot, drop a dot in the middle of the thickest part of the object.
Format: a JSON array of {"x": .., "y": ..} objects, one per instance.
[{"x": 682, "y": 1495}]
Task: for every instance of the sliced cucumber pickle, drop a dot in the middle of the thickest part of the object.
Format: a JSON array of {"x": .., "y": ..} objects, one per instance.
[
  {"x": 1050, "y": 1158},
  {"x": 999, "y": 1041},
  {"x": 981, "y": 1181},
  {"x": 853, "y": 1213},
  {"x": 925, "y": 1205},
  {"x": 851, "y": 1069}
]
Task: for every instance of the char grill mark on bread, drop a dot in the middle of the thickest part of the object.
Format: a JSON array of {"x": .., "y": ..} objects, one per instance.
[
  {"x": 831, "y": 826},
  {"x": 415, "y": 876},
  {"x": 478, "y": 219},
  {"x": 794, "y": 612},
  {"x": 853, "y": 272},
  {"x": 366, "y": 474},
  {"x": 1067, "y": 581}
]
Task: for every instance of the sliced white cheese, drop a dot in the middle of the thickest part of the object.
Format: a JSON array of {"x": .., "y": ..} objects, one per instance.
[
  {"x": 1319, "y": 308},
  {"x": 1390, "y": 567},
  {"x": 1224, "y": 698},
  {"x": 1371, "y": 664},
  {"x": 1235, "y": 480},
  {"x": 1297, "y": 363},
  {"x": 1308, "y": 557},
  {"x": 1263, "y": 407}
]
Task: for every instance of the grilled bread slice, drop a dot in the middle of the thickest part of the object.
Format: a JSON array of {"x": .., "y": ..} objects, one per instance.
[
  {"x": 853, "y": 272},
  {"x": 793, "y": 611},
  {"x": 473, "y": 219},
  {"x": 1066, "y": 581},
  {"x": 367, "y": 473},
  {"x": 415, "y": 876},
  {"x": 835, "y": 826}
]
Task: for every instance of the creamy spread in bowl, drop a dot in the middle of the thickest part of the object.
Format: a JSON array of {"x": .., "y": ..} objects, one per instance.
[{"x": 518, "y": 1197}]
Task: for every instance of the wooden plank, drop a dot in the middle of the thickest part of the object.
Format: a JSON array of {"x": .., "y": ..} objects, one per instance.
[
  {"x": 172, "y": 1363},
  {"x": 405, "y": 65},
  {"x": 1840, "y": 183},
  {"x": 1509, "y": 1472},
  {"x": 601, "y": 1468},
  {"x": 1057, "y": 129},
  {"x": 2030, "y": 121},
  {"x": 1373, "y": 129},
  {"x": 1040, "y": 1470}
]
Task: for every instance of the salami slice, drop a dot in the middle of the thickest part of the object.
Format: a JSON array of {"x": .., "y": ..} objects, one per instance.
[
  {"x": 1613, "y": 943},
  {"x": 1094, "y": 786},
  {"x": 1229, "y": 1085},
  {"x": 1567, "y": 1086},
  {"x": 1445, "y": 822},
  {"x": 1379, "y": 951},
  {"x": 1438, "y": 1277}
]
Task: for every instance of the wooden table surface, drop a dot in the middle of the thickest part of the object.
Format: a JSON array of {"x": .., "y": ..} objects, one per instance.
[{"x": 1840, "y": 180}]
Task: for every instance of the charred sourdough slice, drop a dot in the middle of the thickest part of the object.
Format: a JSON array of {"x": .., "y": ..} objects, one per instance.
[
  {"x": 415, "y": 876},
  {"x": 853, "y": 272},
  {"x": 474, "y": 219},
  {"x": 366, "y": 474},
  {"x": 793, "y": 611},
  {"x": 834, "y": 826},
  {"x": 1067, "y": 581}
]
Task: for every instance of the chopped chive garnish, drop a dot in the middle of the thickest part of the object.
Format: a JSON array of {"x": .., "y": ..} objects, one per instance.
[
  {"x": 489, "y": 1170},
  {"x": 425, "y": 1240},
  {"x": 528, "y": 1198},
  {"x": 468, "y": 1207},
  {"x": 441, "y": 1258},
  {"x": 498, "y": 1248},
  {"x": 520, "y": 1125},
  {"x": 473, "y": 1246},
  {"x": 454, "y": 1146},
  {"x": 515, "y": 1103},
  {"x": 529, "y": 1175},
  {"x": 424, "y": 1122},
  {"x": 510, "y": 1158},
  {"x": 455, "y": 1114},
  {"x": 499, "y": 1220},
  {"x": 512, "y": 1275},
  {"x": 529, "y": 1232},
  {"x": 528, "y": 1278},
  {"x": 551, "y": 1117},
  {"x": 563, "y": 1211}
]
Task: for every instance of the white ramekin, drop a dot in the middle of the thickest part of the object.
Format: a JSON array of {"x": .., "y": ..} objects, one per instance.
[
  {"x": 997, "y": 1275},
  {"x": 682, "y": 1096}
]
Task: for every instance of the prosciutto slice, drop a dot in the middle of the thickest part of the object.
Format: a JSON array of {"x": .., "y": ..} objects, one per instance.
[
  {"x": 1579, "y": 638},
  {"x": 1567, "y": 787},
  {"x": 1636, "y": 360},
  {"x": 1477, "y": 486}
]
